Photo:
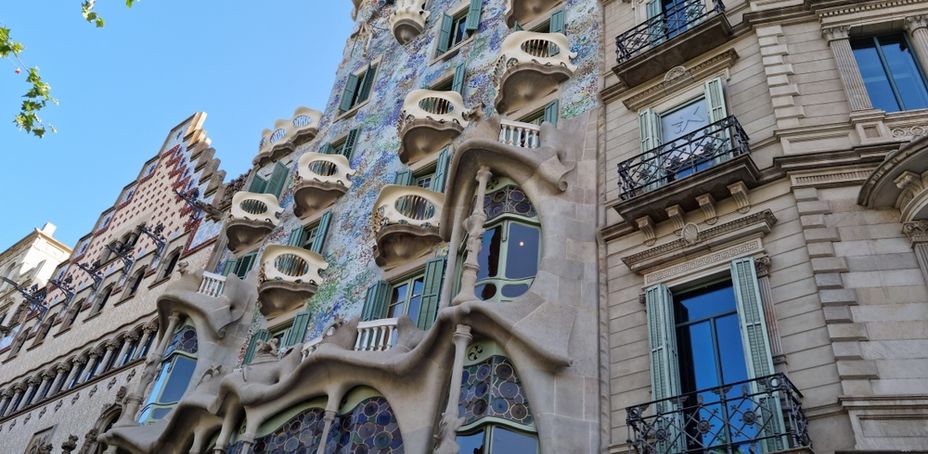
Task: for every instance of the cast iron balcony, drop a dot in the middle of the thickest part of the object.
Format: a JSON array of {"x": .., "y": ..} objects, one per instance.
[
  {"x": 680, "y": 33},
  {"x": 320, "y": 180},
  {"x": 531, "y": 65},
  {"x": 675, "y": 173},
  {"x": 405, "y": 223},
  {"x": 430, "y": 120},
  {"x": 408, "y": 19},
  {"x": 759, "y": 415},
  {"x": 289, "y": 276},
  {"x": 251, "y": 217},
  {"x": 287, "y": 135}
]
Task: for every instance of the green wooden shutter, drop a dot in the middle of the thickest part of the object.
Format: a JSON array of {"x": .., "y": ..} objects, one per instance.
[
  {"x": 257, "y": 185},
  {"x": 350, "y": 143},
  {"x": 297, "y": 330},
  {"x": 351, "y": 87},
  {"x": 375, "y": 302},
  {"x": 296, "y": 237},
  {"x": 260, "y": 335},
  {"x": 244, "y": 265},
  {"x": 756, "y": 343},
  {"x": 444, "y": 35},
  {"x": 473, "y": 15},
  {"x": 276, "y": 184},
  {"x": 366, "y": 83},
  {"x": 665, "y": 377},
  {"x": 715, "y": 100},
  {"x": 403, "y": 178},
  {"x": 552, "y": 113},
  {"x": 321, "y": 230},
  {"x": 557, "y": 22},
  {"x": 517, "y": 27},
  {"x": 326, "y": 148},
  {"x": 229, "y": 267},
  {"x": 434, "y": 275},
  {"x": 441, "y": 171},
  {"x": 457, "y": 84}
]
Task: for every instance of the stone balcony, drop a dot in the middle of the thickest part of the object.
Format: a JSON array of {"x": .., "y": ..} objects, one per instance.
[
  {"x": 531, "y": 66},
  {"x": 405, "y": 223},
  {"x": 408, "y": 19},
  {"x": 523, "y": 11},
  {"x": 430, "y": 121},
  {"x": 289, "y": 276},
  {"x": 519, "y": 134},
  {"x": 376, "y": 335},
  {"x": 251, "y": 217},
  {"x": 321, "y": 179},
  {"x": 287, "y": 135},
  {"x": 685, "y": 31}
]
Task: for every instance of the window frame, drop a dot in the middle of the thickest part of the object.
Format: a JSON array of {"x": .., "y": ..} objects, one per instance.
[
  {"x": 409, "y": 279},
  {"x": 899, "y": 97}
]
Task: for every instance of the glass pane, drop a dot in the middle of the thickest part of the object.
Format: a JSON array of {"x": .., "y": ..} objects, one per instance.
[
  {"x": 714, "y": 301},
  {"x": 485, "y": 291},
  {"x": 398, "y": 300},
  {"x": 471, "y": 444},
  {"x": 180, "y": 378},
  {"x": 905, "y": 72},
  {"x": 509, "y": 442},
  {"x": 457, "y": 30},
  {"x": 415, "y": 301},
  {"x": 731, "y": 350},
  {"x": 522, "y": 257},
  {"x": 698, "y": 367},
  {"x": 871, "y": 69},
  {"x": 488, "y": 259},
  {"x": 514, "y": 290}
]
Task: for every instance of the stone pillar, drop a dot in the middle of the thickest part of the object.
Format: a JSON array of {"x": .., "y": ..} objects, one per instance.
[
  {"x": 452, "y": 262},
  {"x": 474, "y": 224},
  {"x": 451, "y": 420},
  {"x": 43, "y": 386},
  {"x": 152, "y": 361},
  {"x": 839, "y": 40},
  {"x": 76, "y": 367},
  {"x": 126, "y": 342},
  {"x": 917, "y": 26},
  {"x": 59, "y": 378},
  {"x": 917, "y": 232},
  {"x": 26, "y": 395},
  {"x": 4, "y": 400},
  {"x": 110, "y": 348},
  {"x": 88, "y": 368},
  {"x": 17, "y": 392},
  {"x": 147, "y": 332},
  {"x": 228, "y": 428}
]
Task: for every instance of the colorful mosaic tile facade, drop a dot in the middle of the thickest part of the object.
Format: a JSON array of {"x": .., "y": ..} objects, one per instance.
[
  {"x": 491, "y": 388},
  {"x": 370, "y": 427}
]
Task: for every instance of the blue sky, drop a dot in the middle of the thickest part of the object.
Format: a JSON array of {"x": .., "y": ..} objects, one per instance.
[{"x": 121, "y": 89}]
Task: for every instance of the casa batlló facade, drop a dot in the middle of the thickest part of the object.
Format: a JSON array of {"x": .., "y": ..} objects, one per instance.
[{"x": 653, "y": 226}]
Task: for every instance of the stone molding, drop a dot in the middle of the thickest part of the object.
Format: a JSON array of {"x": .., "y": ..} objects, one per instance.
[
  {"x": 845, "y": 176},
  {"x": 678, "y": 78},
  {"x": 704, "y": 262}
]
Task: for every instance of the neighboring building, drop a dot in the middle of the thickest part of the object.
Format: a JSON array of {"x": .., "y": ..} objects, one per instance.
[
  {"x": 65, "y": 370},
  {"x": 765, "y": 252},
  {"x": 31, "y": 261}
]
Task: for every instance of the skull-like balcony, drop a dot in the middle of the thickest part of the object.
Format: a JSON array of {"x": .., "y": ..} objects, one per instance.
[
  {"x": 321, "y": 179},
  {"x": 430, "y": 120},
  {"x": 251, "y": 217},
  {"x": 524, "y": 11},
  {"x": 405, "y": 223},
  {"x": 287, "y": 135},
  {"x": 531, "y": 66},
  {"x": 408, "y": 19},
  {"x": 289, "y": 276}
]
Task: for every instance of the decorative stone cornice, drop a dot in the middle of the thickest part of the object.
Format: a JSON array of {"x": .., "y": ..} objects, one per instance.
[
  {"x": 836, "y": 33},
  {"x": 916, "y": 231},
  {"x": 913, "y": 23},
  {"x": 680, "y": 76}
]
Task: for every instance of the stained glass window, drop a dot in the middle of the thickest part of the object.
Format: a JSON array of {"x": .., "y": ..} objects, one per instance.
[
  {"x": 180, "y": 360},
  {"x": 370, "y": 427},
  {"x": 491, "y": 388},
  {"x": 300, "y": 434}
]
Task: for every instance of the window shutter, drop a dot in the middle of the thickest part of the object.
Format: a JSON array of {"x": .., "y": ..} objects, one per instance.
[
  {"x": 276, "y": 184},
  {"x": 649, "y": 125},
  {"x": 551, "y": 112},
  {"x": 715, "y": 99},
  {"x": 258, "y": 185},
  {"x": 350, "y": 143},
  {"x": 517, "y": 27},
  {"x": 229, "y": 267},
  {"x": 403, "y": 178},
  {"x": 260, "y": 335},
  {"x": 444, "y": 36},
  {"x": 321, "y": 231},
  {"x": 326, "y": 148},
  {"x": 473, "y": 15},
  {"x": 351, "y": 87},
  {"x": 375, "y": 302},
  {"x": 296, "y": 237},
  {"x": 245, "y": 264},
  {"x": 457, "y": 84},
  {"x": 665, "y": 377},
  {"x": 441, "y": 170},
  {"x": 366, "y": 83},
  {"x": 297, "y": 330},
  {"x": 434, "y": 275},
  {"x": 557, "y": 22},
  {"x": 654, "y": 8}
]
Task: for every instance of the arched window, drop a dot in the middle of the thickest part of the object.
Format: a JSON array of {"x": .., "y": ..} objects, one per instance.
[
  {"x": 102, "y": 298},
  {"x": 496, "y": 412},
  {"x": 169, "y": 265},
  {"x": 72, "y": 314},
  {"x": 511, "y": 247},
  {"x": 136, "y": 283},
  {"x": 365, "y": 423},
  {"x": 297, "y": 429},
  {"x": 130, "y": 351},
  {"x": 180, "y": 359}
]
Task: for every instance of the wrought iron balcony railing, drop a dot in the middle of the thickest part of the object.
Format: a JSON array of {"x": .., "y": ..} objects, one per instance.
[
  {"x": 682, "y": 157},
  {"x": 759, "y": 415},
  {"x": 663, "y": 27}
]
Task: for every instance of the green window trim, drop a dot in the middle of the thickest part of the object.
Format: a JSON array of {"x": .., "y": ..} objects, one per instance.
[
  {"x": 258, "y": 185},
  {"x": 278, "y": 180},
  {"x": 457, "y": 84},
  {"x": 322, "y": 230},
  {"x": 473, "y": 15},
  {"x": 348, "y": 95},
  {"x": 411, "y": 294},
  {"x": 260, "y": 335},
  {"x": 403, "y": 178},
  {"x": 444, "y": 34},
  {"x": 297, "y": 329},
  {"x": 557, "y": 23},
  {"x": 441, "y": 170},
  {"x": 240, "y": 266},
  {"x": 375, "y": 301},
  {"x": 357, "y": 88},
  {"x": 434, "y": 277}
]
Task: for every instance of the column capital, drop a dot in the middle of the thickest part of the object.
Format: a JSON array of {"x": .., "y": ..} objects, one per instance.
[
  {"x": 5, "y": 393},
  {"x": 916, "y": 231},
  {"x": 63, "y": 366},
  {"x": 132, "y": 336},
  {"x": 111, "y": 344},
  {"x": 47, "y": 374},
  {"x": 836, "y": 33},
  {"x": 913, "y": 23},
  {"x": 19, "y": 387},
  {"x": 32, "y": 381}
]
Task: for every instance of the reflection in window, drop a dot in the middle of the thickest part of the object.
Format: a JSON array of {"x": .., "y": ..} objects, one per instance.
[
  {"x": 891, "y": 73},
  {"x": 180, "y": 360},
  {"x": 406, "y": 297}
]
